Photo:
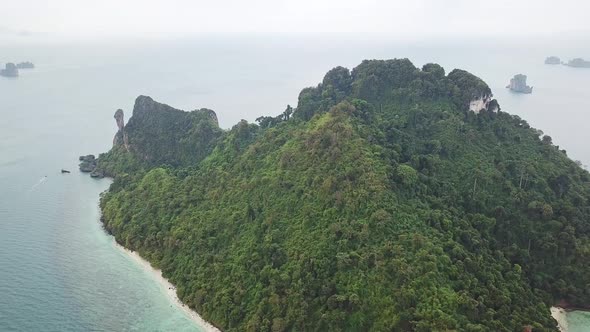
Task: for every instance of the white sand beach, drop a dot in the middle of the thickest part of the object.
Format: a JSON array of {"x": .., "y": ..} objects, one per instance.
[
  {"x": 560, "y": 316},
  {"x": 170, "y": 289}
]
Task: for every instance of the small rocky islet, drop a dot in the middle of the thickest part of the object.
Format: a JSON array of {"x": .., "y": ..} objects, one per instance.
[
  {"x": 12, "y": 70},
  {"x": 575, "y": 62},
  {"x": 552, "y": 60},
  {"x": 518, "y": 84},
  {"x": 578, "y": 63}
]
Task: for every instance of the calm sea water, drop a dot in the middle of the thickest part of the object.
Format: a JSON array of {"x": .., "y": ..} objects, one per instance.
[{"x": 60, "y": 272}]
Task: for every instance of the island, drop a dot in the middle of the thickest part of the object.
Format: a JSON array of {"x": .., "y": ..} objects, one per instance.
[
  {"x": 391, "y": 198},
  {"x": 552, "y": 60},
  {"x": 10, "y": 70},
  {"x": 578, "y": 63},
  {"x": 518, "y": 84},
  {"x": 25, "y": 65}
]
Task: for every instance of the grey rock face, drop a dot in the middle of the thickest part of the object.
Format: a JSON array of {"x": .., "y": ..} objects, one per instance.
[
  {"x": 121, "y": 135},
  {"x": 518, "y": 84},
  {"x": 120, "y": 118}
]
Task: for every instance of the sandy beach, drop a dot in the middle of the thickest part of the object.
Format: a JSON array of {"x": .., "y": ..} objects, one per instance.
[
  {"x": 170, "y": 289},
  {"x": 560, "y": 316}
]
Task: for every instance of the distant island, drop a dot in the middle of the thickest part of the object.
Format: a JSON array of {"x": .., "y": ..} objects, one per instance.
[
  {"x": 25, "y": 65},
  {"x": 552, "y": 60},
  {"x": 391, "y": 198},
  {"x": 518, "y": 84},
  {"x": 578, "y": 63},
  {"x": 10, "y": 70}
]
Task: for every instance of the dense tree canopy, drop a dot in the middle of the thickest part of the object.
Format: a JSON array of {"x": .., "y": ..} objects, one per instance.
[{"x": 382, "y": 204}]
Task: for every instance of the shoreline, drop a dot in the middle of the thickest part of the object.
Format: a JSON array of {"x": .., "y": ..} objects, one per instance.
[
  {"x": 560, "y": 315},
  {"x": 169, "y": 288}
]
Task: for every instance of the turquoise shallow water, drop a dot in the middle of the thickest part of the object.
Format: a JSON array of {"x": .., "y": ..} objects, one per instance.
[
  {"x": 578, "y": 321},
  {"x": 60, "y": 272}
]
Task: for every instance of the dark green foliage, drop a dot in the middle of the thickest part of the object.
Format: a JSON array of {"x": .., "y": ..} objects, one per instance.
[
  {"x": 159, "y": 134},
  {"x": 382, "y": 204}
]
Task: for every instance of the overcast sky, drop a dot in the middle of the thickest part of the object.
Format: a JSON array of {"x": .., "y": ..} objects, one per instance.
[{"x": 396, "y": 19}]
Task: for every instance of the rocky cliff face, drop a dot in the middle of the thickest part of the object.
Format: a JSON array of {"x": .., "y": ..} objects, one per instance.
[
  {"x": 518, "y": 84},
  {"x": 121, "y": 137},
  {"x": 484, "y": 102}
]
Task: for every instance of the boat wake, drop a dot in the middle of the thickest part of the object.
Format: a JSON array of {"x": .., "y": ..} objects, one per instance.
[{"x": 43, "y": 179}]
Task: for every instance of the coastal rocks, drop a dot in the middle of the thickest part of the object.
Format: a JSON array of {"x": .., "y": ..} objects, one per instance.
[
  {"x": 88, "y": 163},
  {"x": 552, "y": 60},
  {"x": 97, "y": 174},
  {"x": 578, "y": 63},
  {"x": 25, "y": 65},
  {"x": 10, "y": 70},
  {"x": 518, "y": 84}
]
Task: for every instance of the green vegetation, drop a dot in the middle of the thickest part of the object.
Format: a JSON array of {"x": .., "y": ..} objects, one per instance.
[{"x": 379, "y": 203}]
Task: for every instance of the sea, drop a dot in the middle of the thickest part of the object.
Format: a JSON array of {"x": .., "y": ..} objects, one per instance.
[{"x": 59, "y": 270}]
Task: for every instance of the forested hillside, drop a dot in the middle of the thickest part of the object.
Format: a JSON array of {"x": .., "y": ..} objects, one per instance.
[{"x": 380, "y": 203}]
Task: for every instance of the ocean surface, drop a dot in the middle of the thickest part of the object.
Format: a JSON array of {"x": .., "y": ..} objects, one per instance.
[{"x": 59, "y": 271}]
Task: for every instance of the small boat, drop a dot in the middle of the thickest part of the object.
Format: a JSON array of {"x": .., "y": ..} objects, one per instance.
[{"x": 64, "y": 170}]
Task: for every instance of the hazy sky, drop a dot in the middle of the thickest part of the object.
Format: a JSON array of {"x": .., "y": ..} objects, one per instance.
[{"x": 397, "y": 19}]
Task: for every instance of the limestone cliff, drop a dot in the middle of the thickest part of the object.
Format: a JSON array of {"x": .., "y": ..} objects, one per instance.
[
  {"x": 157, "y": 134},
  {"x": 121, "y": 135},
  {"x": 518, "y": 84}
]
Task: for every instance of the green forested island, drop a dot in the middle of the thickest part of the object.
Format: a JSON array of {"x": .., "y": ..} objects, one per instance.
[{"x": 392, "y": 198}]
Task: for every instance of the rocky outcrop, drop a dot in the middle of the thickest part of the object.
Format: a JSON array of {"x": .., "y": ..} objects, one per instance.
[
  {"x": 160, "y": 134},
  {"x": 484, "y": 102},
  {"x": 552, "y": 60},
  {"x": 25, "y": 65},
  {"x": 9, "y": 71},
  {"x": 120, "y": 118},
  {"x": 210, "y": 113},
  {"x": 121, "y": 137},
  {"x": 578, "y": 63},
  {"x": 87, "y": 163},
  {"x": 518, "y": 84}
]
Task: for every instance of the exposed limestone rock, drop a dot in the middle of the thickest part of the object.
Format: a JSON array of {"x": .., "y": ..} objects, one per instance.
[
  {"x": 518, "y": 84},
  {"x": 121, "y": 135},
  {"x": 120, "y": 118}
]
